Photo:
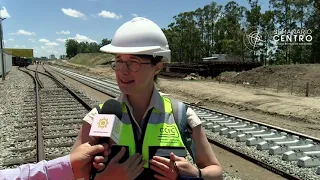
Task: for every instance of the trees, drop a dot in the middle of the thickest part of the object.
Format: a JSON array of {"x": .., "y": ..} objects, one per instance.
[
  {"x": 217, "y": 29},
  {"x": 214, "y": 29},
  {"x": 73, "y": 47}
]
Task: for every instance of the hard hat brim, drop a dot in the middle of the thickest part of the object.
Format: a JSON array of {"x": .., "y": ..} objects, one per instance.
[{"x": 149, "y": 50}]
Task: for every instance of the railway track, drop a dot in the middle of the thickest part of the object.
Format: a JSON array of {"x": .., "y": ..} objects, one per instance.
[
  {"x": 287, "y": 153},
  {"x": 52, "y": 117}
]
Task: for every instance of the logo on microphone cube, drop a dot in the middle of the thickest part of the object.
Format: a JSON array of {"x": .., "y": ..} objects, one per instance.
[
  {"x": 117, "y": 128},
  {"x": 103, "y": 123},
  {"x": 106, "y": 125}
]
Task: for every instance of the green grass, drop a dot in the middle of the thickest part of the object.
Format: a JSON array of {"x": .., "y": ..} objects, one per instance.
[{"x": 91, "y": 59}]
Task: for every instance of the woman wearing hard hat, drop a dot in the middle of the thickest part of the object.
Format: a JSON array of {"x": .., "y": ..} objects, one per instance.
[{"x": 149, "y": 125}]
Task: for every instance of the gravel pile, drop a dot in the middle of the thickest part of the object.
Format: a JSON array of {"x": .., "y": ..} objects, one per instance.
[
  {"x": 13, "y": 91},
  {"x": 82, "y": 72}
]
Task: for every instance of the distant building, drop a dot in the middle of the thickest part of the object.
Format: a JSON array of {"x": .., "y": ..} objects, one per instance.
[
  {"x": 63, "y": 56},
  {"x": 52, "y": 56},
  {"x": 215, "y": 57},
  {"x": 43, "y": 58},
  {"x": 225, "y": 58}
]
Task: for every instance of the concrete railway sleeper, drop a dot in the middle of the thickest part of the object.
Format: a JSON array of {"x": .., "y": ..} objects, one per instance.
[{"x": 287, "y": 153}]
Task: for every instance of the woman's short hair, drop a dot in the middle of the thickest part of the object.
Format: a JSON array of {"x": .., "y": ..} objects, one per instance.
[{"x": 154, "y": 61}]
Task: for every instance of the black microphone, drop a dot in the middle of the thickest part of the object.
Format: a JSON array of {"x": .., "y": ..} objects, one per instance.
[{"x": 107, "y": 124}]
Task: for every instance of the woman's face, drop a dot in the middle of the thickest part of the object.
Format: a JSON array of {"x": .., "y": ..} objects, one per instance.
[{"x": 138, "y": 82}]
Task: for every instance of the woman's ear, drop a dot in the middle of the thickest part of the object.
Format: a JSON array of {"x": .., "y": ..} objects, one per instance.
[{"x": 158, "y": 67}]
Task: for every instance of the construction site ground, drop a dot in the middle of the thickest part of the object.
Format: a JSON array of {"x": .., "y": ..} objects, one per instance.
[{"x": 291, "y": 111}]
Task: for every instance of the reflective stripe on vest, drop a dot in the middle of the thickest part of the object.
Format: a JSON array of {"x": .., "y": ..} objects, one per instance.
[{"x": 161, "y": 130}]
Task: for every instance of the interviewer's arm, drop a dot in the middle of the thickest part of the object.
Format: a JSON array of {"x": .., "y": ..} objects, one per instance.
[
  {"x": 77, "y": 165},
  {"x": 59, "y": 168},
  {"x": 206, "y": 159}
]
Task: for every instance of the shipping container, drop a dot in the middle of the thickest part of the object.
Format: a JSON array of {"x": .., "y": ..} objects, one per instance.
[{"x": 7, "y": 63}]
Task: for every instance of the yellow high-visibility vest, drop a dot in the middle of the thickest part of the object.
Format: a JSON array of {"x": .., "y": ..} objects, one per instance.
[{"x": 159, "y": 131}]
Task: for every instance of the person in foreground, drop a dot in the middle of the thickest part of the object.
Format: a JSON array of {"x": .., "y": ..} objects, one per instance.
[
  {"x": 76, "y": 165},
  {"x": 140, "y": 48}
]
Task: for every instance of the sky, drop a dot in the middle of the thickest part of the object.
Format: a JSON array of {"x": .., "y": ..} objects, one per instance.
[{"x": 44, "y": 25}]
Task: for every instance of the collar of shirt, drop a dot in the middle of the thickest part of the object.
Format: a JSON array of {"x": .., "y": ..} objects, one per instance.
[{"x": 155, "y": 102}]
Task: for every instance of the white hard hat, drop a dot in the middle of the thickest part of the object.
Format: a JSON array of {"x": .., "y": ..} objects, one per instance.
[{"x": 139, "y": 36}]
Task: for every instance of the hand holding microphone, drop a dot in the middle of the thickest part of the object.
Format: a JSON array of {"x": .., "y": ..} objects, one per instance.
[
  {"x": 81, "y": 158},
  {"x": 107, "y": 127}
]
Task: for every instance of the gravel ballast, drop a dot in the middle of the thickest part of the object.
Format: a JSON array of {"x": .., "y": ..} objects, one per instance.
[{"x": 13, "y": 91}]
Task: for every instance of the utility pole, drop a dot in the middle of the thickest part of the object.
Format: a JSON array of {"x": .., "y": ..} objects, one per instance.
[{"x": 1, "y": 40}]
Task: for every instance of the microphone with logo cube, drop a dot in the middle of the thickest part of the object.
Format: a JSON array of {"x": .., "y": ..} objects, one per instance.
[{"x": 109, "y": 125}]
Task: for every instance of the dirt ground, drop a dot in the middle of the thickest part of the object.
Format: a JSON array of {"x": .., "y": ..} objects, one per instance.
[
  {"x": 285, "y": 78},
  {"x": 293, "y": 112}
]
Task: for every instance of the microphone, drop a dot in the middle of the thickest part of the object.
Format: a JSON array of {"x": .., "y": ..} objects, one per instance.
[{"x": 107, "y": 124}]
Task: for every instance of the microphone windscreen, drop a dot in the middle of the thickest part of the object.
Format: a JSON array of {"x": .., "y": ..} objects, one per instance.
[{"x": 112, "y": 106}]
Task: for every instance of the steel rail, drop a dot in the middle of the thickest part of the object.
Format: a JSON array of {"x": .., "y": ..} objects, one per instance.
[
  {"x": 49, "y": 76},
  {"x": 92, "y": 85},
  {"x": 40, "y": 84},
  {"x": 40, "y": 145},
  {"x": 37, "y": 76},
  {"x": 80, "y": 100}
]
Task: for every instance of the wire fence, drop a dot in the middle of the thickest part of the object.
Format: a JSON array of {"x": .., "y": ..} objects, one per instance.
[{"x": 307, "y": 89}]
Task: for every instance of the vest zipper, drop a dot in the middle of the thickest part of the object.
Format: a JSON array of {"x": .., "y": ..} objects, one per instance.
[{"x": 139, "y": 142}]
